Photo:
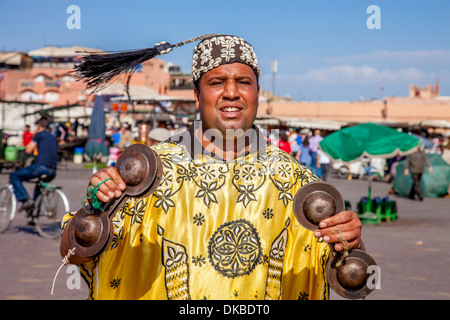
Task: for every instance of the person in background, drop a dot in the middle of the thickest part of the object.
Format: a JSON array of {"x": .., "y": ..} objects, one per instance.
[
  {"x": 305, "y": 153},
  {"x": 158, "y": 135},
  {"x": 300, "y": 137},
  {"x": 70, "y": 132},
  {"x": 294, "y": 145},
  {"x": 284, "y": 144},
  {"x": 27, "y": 136},
  {"x": 116, "y": 137},
  {"x": 415, "y": 163},
  {"x": 323, "y": 161},
  {"x": 44, "y": 164},
  {"x": 273, "y": 136},
  {"x": 126, "y": 139},
  {"x": 61, "y": 133},
  {"x": 314, "y": 147}
]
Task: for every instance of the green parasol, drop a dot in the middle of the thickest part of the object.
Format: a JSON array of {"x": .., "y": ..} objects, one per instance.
[{"x": 369, "y": 140}]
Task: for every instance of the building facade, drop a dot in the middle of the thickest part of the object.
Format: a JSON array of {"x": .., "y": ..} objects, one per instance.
[{"x": 46, "y": 76}]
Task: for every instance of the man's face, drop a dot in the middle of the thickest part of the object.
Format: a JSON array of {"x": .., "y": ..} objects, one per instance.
[{"x": 228, "y": 97}]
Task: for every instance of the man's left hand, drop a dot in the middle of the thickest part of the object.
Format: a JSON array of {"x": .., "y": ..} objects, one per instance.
[{"x": 344, "y": 224}]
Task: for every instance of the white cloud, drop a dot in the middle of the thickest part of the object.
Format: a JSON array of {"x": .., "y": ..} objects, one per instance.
[
  {"x": 346, "y": 76},
  {"x": 418, "y": 57},
  {"x": 356, "y": 75}
]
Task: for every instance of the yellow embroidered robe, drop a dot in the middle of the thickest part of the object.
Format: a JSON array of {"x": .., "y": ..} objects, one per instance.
[{"x": 213, "y": 230}]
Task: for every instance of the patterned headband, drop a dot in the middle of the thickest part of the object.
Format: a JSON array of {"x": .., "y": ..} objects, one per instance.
[{"x": 222, "y": 49}]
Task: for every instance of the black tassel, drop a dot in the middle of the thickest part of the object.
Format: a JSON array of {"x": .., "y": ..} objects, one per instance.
[{"x": 98, "y": 70}]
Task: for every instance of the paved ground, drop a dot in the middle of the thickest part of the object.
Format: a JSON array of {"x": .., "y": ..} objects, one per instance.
[{"x": 412, "y": 252}]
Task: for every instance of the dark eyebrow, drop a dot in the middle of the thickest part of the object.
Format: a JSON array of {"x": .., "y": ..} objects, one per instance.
[
  {"x": 243, "y": 78},
  {"x": 240, "y": 78},
  {"x": 218, "y": 77},
  {"x": 223, "y": 77}
]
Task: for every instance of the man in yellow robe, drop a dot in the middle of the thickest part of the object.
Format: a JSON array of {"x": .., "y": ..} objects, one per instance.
[{"x": 221, "y": 223}]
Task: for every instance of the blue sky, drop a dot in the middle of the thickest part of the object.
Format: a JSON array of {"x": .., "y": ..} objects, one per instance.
[{"x": 324, "y": 49}]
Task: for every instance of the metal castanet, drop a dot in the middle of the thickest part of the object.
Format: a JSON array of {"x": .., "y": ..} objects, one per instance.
[
  {"x": 315, "y": 202},
  {"x": 351, "y": 279},
  {"x": 91, "y": 230},
  {"x": 348, "y": 276}
]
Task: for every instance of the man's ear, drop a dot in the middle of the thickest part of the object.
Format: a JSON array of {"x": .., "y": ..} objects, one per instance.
[
  {"x": 197, "y": 98},
  {"x": 258, "y": 93}
]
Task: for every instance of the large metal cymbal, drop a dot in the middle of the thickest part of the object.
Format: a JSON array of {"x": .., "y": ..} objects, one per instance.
[
  {"x": 315, "y": 202},
  {"x": 350, "y": 279},
  {"x": 139, "y": 167},
  {"x": 90, "y": 230}
]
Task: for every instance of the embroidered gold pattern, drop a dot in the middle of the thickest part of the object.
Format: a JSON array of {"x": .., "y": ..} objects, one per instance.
[
  {"x": 175, "y": 260},
  {"x": 276, "y": 262},
  {"x": 235, "y": 249}
]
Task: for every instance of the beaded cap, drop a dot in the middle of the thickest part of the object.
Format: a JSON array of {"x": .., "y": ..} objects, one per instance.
[{"x": 222, "y": 49}]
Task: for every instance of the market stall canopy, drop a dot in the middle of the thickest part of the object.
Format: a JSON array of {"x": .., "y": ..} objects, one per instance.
[
  {"x": 63, "y": 113},
  {"x": 267, "y": 120},
  {"x": 433, "y": 185},
  {"x": 314, "y": 124},
  {"x": 119, "y": 89},
  {"x": 142, "y": 94},
  {"x": 370, "y": 140},
  {"x": 300, "y": 123},
  {"x": 50, "y": 51},
  {"x": 436, "y": 124},
  {"x": 67, "y": 113},
  {"x": 150, "y": 98},
  {"x": 11, "y": 58}
]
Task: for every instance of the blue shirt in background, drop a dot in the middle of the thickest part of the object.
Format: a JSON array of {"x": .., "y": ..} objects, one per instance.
[
  {"x": 305, "y": 155},
  {"x": 47, "y": 149}
]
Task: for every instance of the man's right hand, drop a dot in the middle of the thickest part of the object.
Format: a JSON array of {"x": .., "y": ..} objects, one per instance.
[{"x": 109, "y": 189}]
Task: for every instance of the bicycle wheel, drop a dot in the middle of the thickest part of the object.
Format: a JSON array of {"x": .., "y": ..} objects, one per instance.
[
  {"x": 50, "y": 208},
  {"x": 8, "y": 204}
]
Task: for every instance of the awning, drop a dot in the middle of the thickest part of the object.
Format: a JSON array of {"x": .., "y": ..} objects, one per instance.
[
  {"x": 73, "y": 51},
  {"x": 300, "y": 123},
  {"x": 118, "y": 88},
  {"x": 11, "y": 58},
  {"x": 436, "y": 124},
  {"x": 142, "y": 94},
  {"x": 313, "y": 124},
  {"x": 267, "y": 121}
]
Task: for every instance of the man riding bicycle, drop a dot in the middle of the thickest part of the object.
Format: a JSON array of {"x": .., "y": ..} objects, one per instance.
[{"x": 44, "y": 164}]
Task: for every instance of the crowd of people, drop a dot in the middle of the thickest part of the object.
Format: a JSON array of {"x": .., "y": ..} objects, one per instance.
[
  {"x": 124, "y": 135},
  {"x": 303, "y": 145}
]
